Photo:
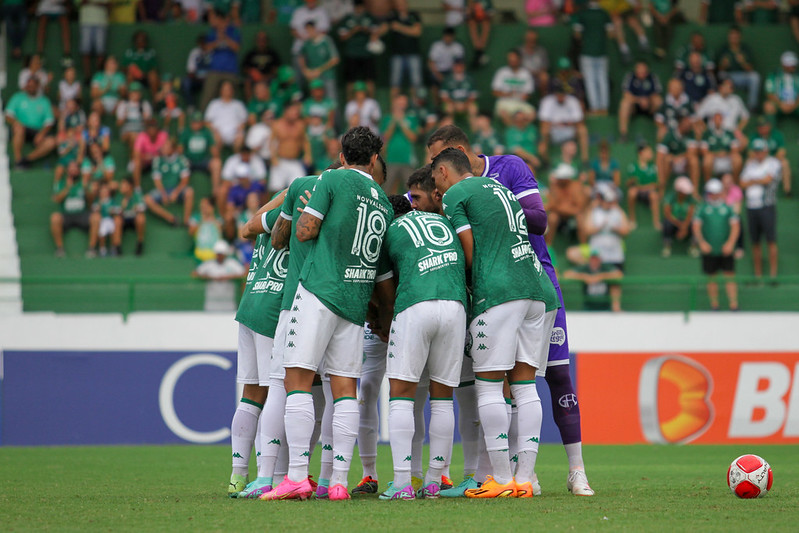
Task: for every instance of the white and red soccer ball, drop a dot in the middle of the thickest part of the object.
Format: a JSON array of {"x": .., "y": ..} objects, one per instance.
[{"x": 749, "y": 476}]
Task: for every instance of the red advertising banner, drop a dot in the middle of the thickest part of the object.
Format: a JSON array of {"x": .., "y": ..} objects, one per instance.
[{"x": 709, "y": 398}]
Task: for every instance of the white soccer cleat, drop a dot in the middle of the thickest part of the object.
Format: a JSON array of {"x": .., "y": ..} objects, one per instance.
[
  {"x": 536, "y": 488},
  {"x": 578, "y": 485}
]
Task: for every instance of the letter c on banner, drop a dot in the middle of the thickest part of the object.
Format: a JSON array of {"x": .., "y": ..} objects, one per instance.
[{"x": 166, "y": 398}]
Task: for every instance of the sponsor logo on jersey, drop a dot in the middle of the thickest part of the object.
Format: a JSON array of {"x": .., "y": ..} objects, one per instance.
[
  {"x": 521, "y": 251},
  {"x": 360, "y": 273},
  {"x": 268, "y": 286},
  {"x": 558, "y": 336},
  {"x": 437, "y": 259}
]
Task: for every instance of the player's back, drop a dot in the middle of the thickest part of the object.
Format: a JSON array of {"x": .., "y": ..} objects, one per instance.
[
  {"x": 427, "y": 258},
  {"x": 299, "y": 250}
]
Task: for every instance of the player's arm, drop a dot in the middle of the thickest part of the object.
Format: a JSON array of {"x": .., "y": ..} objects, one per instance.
[
  {"x": 466, "y": 237},
  {"x": 255, "y": 225},
  {"x": 534, "y": 213},
  {"x": 308, "y": 227},
  {"x": 386, "y": 293}
]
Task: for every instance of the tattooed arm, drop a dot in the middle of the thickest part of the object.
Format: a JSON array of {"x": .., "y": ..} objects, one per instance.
[
  {"x": 281, "y": 233},
  {"x": 308, "y": 227}
]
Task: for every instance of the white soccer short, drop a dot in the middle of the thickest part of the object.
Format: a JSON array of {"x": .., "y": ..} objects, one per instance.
[
  {"x": 254, "y": 353},
  {"x": 284, "y": 172},
  {"x": 374, "y": 353},
  {"x": 317, "y": 337},
  {"x": 428, "y": 334},
  {"x": 511, "y": 332},
  {"x": 276, "y": 370},
  {"x": 722, "y": 165}
]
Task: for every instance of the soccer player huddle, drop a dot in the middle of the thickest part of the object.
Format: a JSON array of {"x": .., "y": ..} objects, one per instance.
[{"x": 448, "y": 292}]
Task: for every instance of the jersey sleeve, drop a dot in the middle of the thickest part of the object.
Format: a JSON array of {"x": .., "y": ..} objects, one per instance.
[
  {"x": 322, "y": 194},
  {"x": 269, "y": 218},
  {"x": 455, "y": 210},
  {"x": 156, "y": 166},
  {"x": 522, "y": 182},
  {"x": 287, "y": 210},
  {"x": 384, "y": 266}
]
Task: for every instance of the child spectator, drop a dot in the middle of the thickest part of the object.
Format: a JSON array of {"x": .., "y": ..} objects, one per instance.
[
  {"x": 219, "y": 273},
  {"x": 35, "y": 69},
  {"x": 103, "y": 208},
  {"x": 107, "y": 87},
  {"x": 197, "y": 144},
  {"x": 205, "y": 227},
  {"x": 591, "y": 26},
  {"x": 318, "y": 59},
  {"x": 71, "y": 147},
  {"x": 678, "y": 215},
  {"x": 96, "y": 170},
  {"x": 31, "y": 118},
  {"x": 70, "y": 195},
  {"x": 605, "y": 168},
  {"x": 260, "y": 64},
  {"x": 171, "y": 173},
  {"x": 458, "y": 92},
  {"x": 128, "y": 211},
  {"x": 598, "y": 293},
  {"x": 132, "y": 114},
  {"x": 643, "y": 186},
  {"x": 147, "y": 146},
  {"x": 96, "y": 133},
  {"x": 69, "y": 88},
  {"x": 167, "y": 102},
  {"x": 485, "y": 140},
  {"x": 641, "y": 91},
  {"x": 141, "y": 63},
  {"x": 227, "y": 117},
  {"x": 521, "y": 139}
]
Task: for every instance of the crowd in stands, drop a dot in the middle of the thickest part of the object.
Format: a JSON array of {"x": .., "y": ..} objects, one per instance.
[{"x": 249, "y": 122}]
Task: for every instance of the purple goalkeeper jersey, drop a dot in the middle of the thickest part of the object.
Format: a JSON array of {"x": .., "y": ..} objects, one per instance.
[{"x": 515, "y": 175}]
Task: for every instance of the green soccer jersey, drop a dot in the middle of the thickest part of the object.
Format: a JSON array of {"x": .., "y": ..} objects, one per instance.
[
  {"x": 785, "y": 86},
  {"x": 526, "y": 139},
  {"x": 144, "y": 59},
  {"x": 197, "y": 144},
  {"x": 111, "y": 84},
  {"x": 604, "y": 173},
  {"x": 318, "y": 108},
  {"x": 105, "y": 207},
  {"x": 299, "y": 250},
  {"x": 257, "y": 107},
  {"x": 596, "y": 296},
  {"x": 673, "y": 143},
  {"x": 486, "y": 143},
  {"x": 458, "y": 90},
  {"x": 728, "y": 59},
  {"x": 355, "y": 46},
  {"x": 170, "y": 170},
  {"x": 643, "y": 174},
  {"x": 400, "y": 149},
  {"x": 427, "y": 258},
  {"x": 679, "y": 210},
  {"x": 75, "y": 200},
  {"x": 673, "y": 111},
  {"x": 128, "y": 207},
  {"x": 720, "y": 140},
  {"x": 67, "y": 151},
  {"x": 319, "y": 52},
  {"x": 775, "y": 141},
  {"x": 593, "y": 24},
  {"x": 342, "y": 264},
  {"x": 33, "y": 112},
  {"x": 715, "y": 218},
  {"x": 260, "y": 303},
  {"x": 504, "y": 265},
  {"x": 317, "y": 138},
  {"x": 97, "y": 172}
]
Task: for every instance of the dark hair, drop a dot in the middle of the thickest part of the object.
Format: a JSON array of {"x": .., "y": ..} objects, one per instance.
[
  {"x": 453, "y": 157},
  {"x": 450, "y": 135},
  {"x": 449, "y": 30},
  {"x": 334, "y": 165},
  {"x": 516, "y": 52},
  {"x": 383, "y": 166},
  {"x": 734, "y": 28},
  {"x": 400, "y": 204},
  {"x": 129, "y": 180},
  {"x": 423, "y": 178},
  {"x": 359, "y": 144}
]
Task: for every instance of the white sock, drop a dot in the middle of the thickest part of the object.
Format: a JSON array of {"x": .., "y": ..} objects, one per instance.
[
  {"x": 368, "y": 395},
  {"x": 574, "y": 452},
  {"x": 530, "y": 416},
  {"x": 259, "y": 460},
  {"x": 345, "y": 430},
  {"x": 494, "y": 420},
  {"x": 483, "y": 460},
  {"x": 513, "y": 434},
  {"x": 326, "y": 465},
  {"x": 273, "y": 428},
  {"x": 281, "y": 465},
  {"x": 243, "y": 429},
  {"x": 442, "y": 428},
  {"x": 417, "y": 444},
  {"x": 318, "y": 409},
  {"x": 469, "y": 428},
  {"x": 299, "y": 426},
  {"x": 400, "y": 431}
]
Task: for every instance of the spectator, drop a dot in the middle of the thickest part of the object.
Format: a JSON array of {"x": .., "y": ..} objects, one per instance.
[
  {"x": 759, "y": 180},
  {"x": 678, "y": 215},
  {"x": 695, "y": 44},
  {"x": 288, "y": 142},
  {"x": 97, "y": 169},
  {"x": 621, "y": 12},
  {"x": 318, "y": 59},
  {"x": 71, "y": 147},
  {"x": 717, "y": 12},
  {"x": 243, "y": 248},
  {"x": 569, "y": 78},
  {"x": 643, "y": 186},
  {"x": 454, "y": 12},
  {"x": 31, "y": 119},
  {"x": 191, "y": 11},
  {"x": 93, "y": 20},
  {"x": 319, "y": 105},
  {"x": 224, "y": 41},
  {"x": 96, "y": 133},
  {"x": 151, "y": 10},
  {"x": 757, "y": 12},
  {"x": 171, "y": 173},
  {"x": 485, "y": 140},
  {"x": 107, "y": 86},
  {"x": 405, "y": 30},
  {"x": 132, "y": 113},
  {"x": 47, "y": 10},
  {"x": 141, "y": 63},
  {"x": 733, "y": 197},
  {"x": 541, "y": 12},
  {"x": 522, "y": 139},
  {"x": 605, "y": 226},
  {"x": 312, "y": 11},
  {"x": 15, "y": 14},
  {"x": 35, "y": 69},
  {"x": 592, "y": 26},
  {"x": 442, "y": 56},
  {"x": 666, "y": 14},
  {"x": 282, "y": 11},
  {"x": 167, "y": 103},
  {"x": 259, "y": 137},
  {"x": 512, "y": 86},
  {"x": 260, "y": 64},
  {"x": 598, "y": 293},
  {"x": 318, "y": 138},
  {"x": 219, "y": 273},
  {"x": 716, "y": 228},
  {"x": 260, "y": 102},
  {"x": 400, "y": 132},
  {"x": 641, "y": 92},
  {"x": 605, "y": 169},
  {"x": 721, "y": 151},
  {"x": 562, "y": 120},
  {"x": 146, "y": 148},
  {"x": 735, "y": 63},
  {"x": 676, "y": 113},
  {"x": 697, "y": 80},
  {"x": 205, "y": 227},
  {"x": 567, "y": 199},
  {"x": 123, "y": 12},
  {"x": 229, "y": 177},
  {"x": 69, "y": 88},
  {"x": 678, "y": 154},
  {"x": 197, "y": 65},
  {"x": 782, "y": 88},
  {"x": 72, "y": 116},
  {"x": 355, "y": 32},
  {"x": 128, "y": 211},
  {"x": 102, "y": 208},
  {"x": 479, "y": 22},
  {"x": 535, "y": 59},
  {"x": 284, "y": 89},
  {"x": 362, "y": 110},
  {"x": 227, "y": 117},
  {"x": 70, "y": 195},
  {"x": 793, "y": 18},
  {"x": 246, "y": 183},
  {"x": 734, "y": 113},
  {"x": 458, "y": 92},
  {"x": 198, "y": 145},
  {"x": 775, "y": 142}
]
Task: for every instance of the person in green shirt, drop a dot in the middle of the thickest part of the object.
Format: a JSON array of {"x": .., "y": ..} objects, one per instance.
[
  {"x": 643, "y": 185},
  {"x": 318, "y": 135},
  {"x": 678, "y": 215},
  {"x": 355, "y": 31},
  {"x": 98, "y": 168},
  {"x": 129, "y": 212},
  {"x": 31, "y": 120},
  {"x": 71, "y": 147},
  {"x": 598, "y": 294},
  {"x": 591, "y": 27},
  {"x": 70, "y": 195},
  {"x": 513, "y": 303},
  {"x": 720, "y": 150},
  {"x": 485, "y": 140},
  {"x": 521, "y": 139},
  {"x": 171, "y": 173},
  {"x": 696, "y": 44},
  {"x": 735, "y": 62},
  {"x": 757, "y": 12},
  {"x": 400, "y": 131},
  {"x": 141, "y": 63},
  {"x": 107, "y": 87},
  {"x": 260, "y": 102},
  {"x": 776, "y": 147},
  {"x": 318, "y": 59},
  {"x": 604, "y": 167},
  {"x": 198, "y": 145},
  {"x": 678, "y": 154},
  {"x": 319, "y": 104},
  {"x": 666, "y": 15},
  {"x": 717, "y": 11},
  {"x": 458, "y": 92},
  {"x": 716, "y": 228},
  {"x": 782, "y": 88}
]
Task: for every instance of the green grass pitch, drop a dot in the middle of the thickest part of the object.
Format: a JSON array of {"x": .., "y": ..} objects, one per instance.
[{"x": 176, "y": 488}]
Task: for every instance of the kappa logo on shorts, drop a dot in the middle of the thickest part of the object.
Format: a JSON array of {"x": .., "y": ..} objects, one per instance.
[
  {"x": 258, "y": 454},
  {"x": 558, "y": 336},
  {"x": 292, "y": 333},
  {"x": 391, "y": 343},
  {"x": 481, "y": 322},
  {"x": 298, "y": 297},
  {"x": 274, "y": 441},
  {"x": 514, "y": 459},
  {"x": 391, "y": 355},
  {"x": 482, "y": 347},
  {"x": 568, "y": 401},
  {"x": 237, "y": 455},
  {"x": 533, "y": 439},
  {"x": 481, "y": 335},
  {"x": 293, "y": 320},
  {"x": 290, "y": 345}
]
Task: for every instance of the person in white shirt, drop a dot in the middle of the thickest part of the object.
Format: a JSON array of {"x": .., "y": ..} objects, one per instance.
[
  {"x": 442, "y": 56},
  {"x": 259, "y": 136},
  {"x": 227, "y": 117},
  {"x": 729, "y": 104},
  {"x": 512, "y": 86},
  {"x": 310, "y": 12},
  {"x": 562, "y": 119},
  {"x": 35, "y": 69},
  {"x": 454, "y": 12},
  {"x": 69, "y": 88},
  {"x": 220, "y": 274},
  {"x": 245, "y": 157},
  {"x": 362, "y": 110},
  {"x": 759, "y": 180}
]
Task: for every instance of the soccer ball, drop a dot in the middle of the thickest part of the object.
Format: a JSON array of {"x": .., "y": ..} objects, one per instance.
[{"x": 749, "y": 476}]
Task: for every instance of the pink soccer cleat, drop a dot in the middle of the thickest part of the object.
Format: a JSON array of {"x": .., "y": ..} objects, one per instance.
[
  {"x": 338, "y": 492},
  {"x": 290, "y": 490}
]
